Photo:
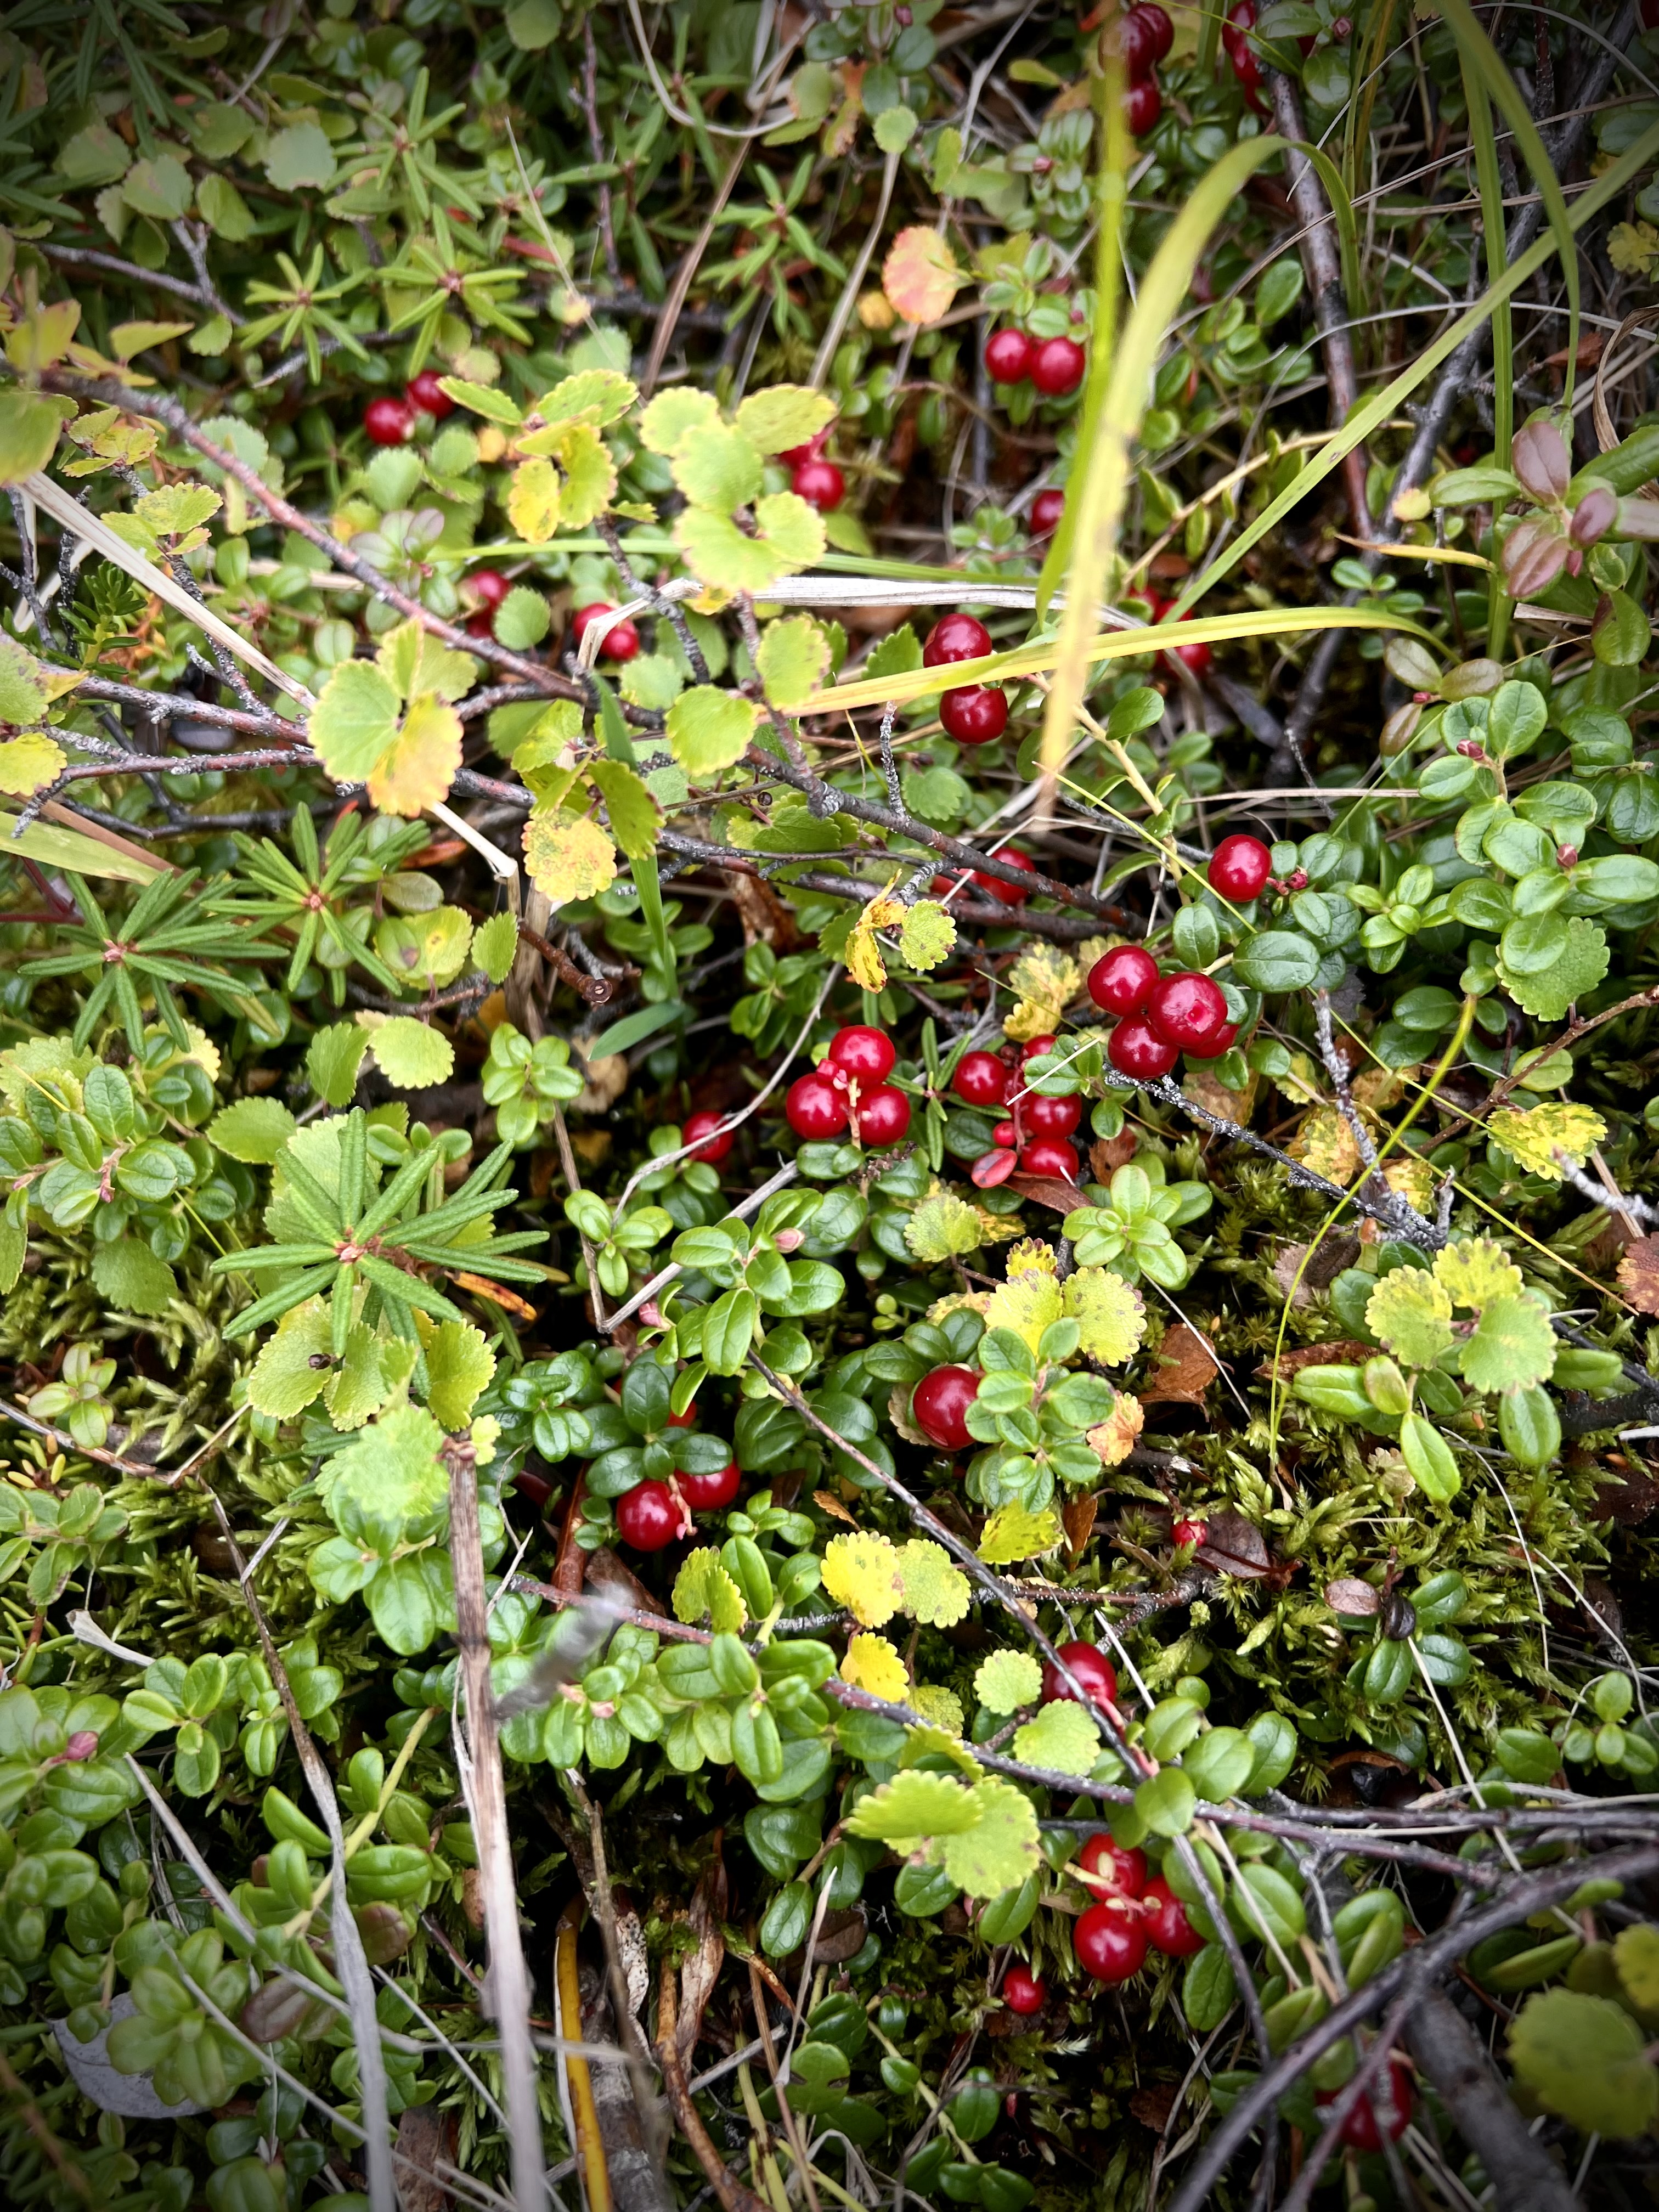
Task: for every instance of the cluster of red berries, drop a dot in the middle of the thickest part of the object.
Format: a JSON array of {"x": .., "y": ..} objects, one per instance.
[
  {"x": 1035, "y": 1138},
  {"x": 1055, "y": 366},
  {"x": 850, "y": 1082},
  {"x": 1145, "y": 37},
  {"x": 973, "y": 713},
  {"x": 814, "y": 479},
  {"x": 1159, "y": 1016},
  {"x": 1135, "y": 1913},
  {"x": 654, "y": 1514},
  {"x": 621, "y": 641},
  {"x": 392, "y": 421}
]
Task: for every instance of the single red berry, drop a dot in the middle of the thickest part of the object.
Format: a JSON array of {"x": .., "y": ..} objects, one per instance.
[
  {"x": 956, "y": 637},
  {"x": 1225, "y": 1037},
  {"x": 1120, "y": 980},
  {"x": 939, "y": 1403},
  {"x": 489, "y": 587},
  {"x": 1112, "y": 1869},
  {"x": 1051, "y": 1117},
  {"x": 1143, "y": 104},
  {"x": 688, "y": 1420},
  {"x": 865, "y": 1053},
  {"x": 1365, "y": 2125},
  {"x": 820, "y": 483},
  {"x": 1153, "y": 26},
  {"x": 1246, "y": 68},
  {"x": 815, "y": 1108},
  {"x": 973, "y": 715},
  {"x": 1008, "y": 355},
  {"x": 718, "y": 1141},
  {"x": 707, "y": 1493},
  {"x": 1137, "y": 38},
  {"x": 1136, "y": 1049},
  {"x": 1006, "y": 1137},
  {"x": 792, "y": 456},
  {"x": 1022, "y": 1991},
  {"x": 1057, "y": 367},
  {"x": 1050, "y": 1156},
  {"x": 993, "y": 887},
  {"x": 1188, "y": 1532},
  {"x": 1046, "y": 510},
  {"x": 483, "y": 625},
  {"x": 650, "y": 1515},
  {"x": 884, "y": 1116},
  {"x": 424, "y": 392},
  {"x": 1168, "y": 1928},
  {"x": 1090, "y": 1666},
  {"x": 980, "y": 1080},
  {"x": 1239, "y": 868},
  {"x": 1110, "y": 1942},
  {"x": 389, "y": 422},
  {"x": 1187, "y": 1011},
  {"x": 621, "y": 641},
  {"x": 1035, "y": 1048}
]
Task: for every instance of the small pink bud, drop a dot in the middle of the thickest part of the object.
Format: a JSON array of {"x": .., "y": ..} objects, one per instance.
[
  {"x": 83, "y": 1744},
  {"x": 1567, "y": 855},
  {"x": 789, "y": 1240}
]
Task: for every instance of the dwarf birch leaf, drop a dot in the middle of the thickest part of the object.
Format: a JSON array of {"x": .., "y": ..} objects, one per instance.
[
  {"x": 1025, "y": 1303},
  {"x": 1636, "y": 1954},
  {"x": 920, "y": 275},
  {"x": 861, "y": 1571},
  {"x": 521, "y": 620},
  {"x": 873, "y": 1664},
  {"x": 783, "y": 416},
  {"x": 1007, "y": 1680},
  {"x": 673, "y": 416},
  {"x": 533, "y": 501},
  {"x": 416, "y": 770},
  {"x": 942, "y": 1224},
  {"x": 1474, "y": 1271},
  {"x": 1110, "y": 1313},
  {"x": 409, "y": 1055},
  {"x": 1533, "y": 1136},
  {"x": 458, "y": 1365},
  {"x": 365, "y": 1379},
  {"x": 935, "y": 1592},
  {"x": 22, "y": 693},
  {"x": 333, "y": 1059},
  {"x": 494, "y": 945},
  {"x": 29, "y": 764},
  {"x": 1583, "y": 2059},
  {"x": 929, "y": 936},
  {"x": 793, "y": 656},
  {"x": 703, "y": 1586},
  {"x": 294, "y": 1365},
  {"x": 1062, "y": 1737},
  {"x": 393, "y": 1474},
  {"x": 910, "y": 1812},
  {"x": 1546, "y": 993},
  {"x": 299, "y": 157},
  {"x": 253, "y": 1130},
  {"x": 129, "y": 1278},
  {"x": 709, "y": 730},
  {"x": 354, "y": 720},
  {"x": 1014, "y": 1533},
  {"x": 1000, "y": 1848},
  {"x": 789, "y": 536},
  {"x": 568, "y": 856},
  {"x": 591, "y": 396},
  {"x": 590, "y": 477},
  {"x": 717, "y": 467},
  {"x": 1513, "y": 1345},
  {"x": 940, "y": 1708},
  {"x": 1411, "y": 1312},
  {"x": 1045, "y": 982}
]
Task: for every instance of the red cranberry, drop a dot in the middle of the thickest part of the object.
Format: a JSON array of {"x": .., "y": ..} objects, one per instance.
[
  {"x": 1136, "y": 1049},
  {"x": 1008, "y": 355},
  {"x": 389, "y": 422},
  {"x": 1006, "y": 1136},
  {"x": 707, "y": 1493},
  {"x": 1090, "y": 1666},
  {"x": 621, "y": 641},
  {"x": 1239, "y": 868},
  {"x": 688, "y": 1420},
  {"x": 1114, "y": 1869},
  {"x": 1050, "y": 1156},
  {"x": 975, "y": 714},
  {"x": 650, "y": 1515},
  {"x": 1035, "y": 1048},
  {"x": 1143, "y": 104},
  {"x": 820, "y": 483},
  {"x": 980, "y": 1080},
  {"x": 482, "y": 624},
  {"x": 993, "y": 887},
  {"x": 1187, "y": 1011},
  {"x": 718, "y": 1142},
  {"x": 956, "y": 637},
  {"x": 866, "y": 1052},
  {"x": 1364, "y": 2128},
  {"x": 489, "y": 587},
  {"x": 1224, "y": 1039},
  {"x": 424, "y": 392},
  {"x": 1109, "y": 1943},
  {"x": 939, "y": 1404},
  {"x": 1022, "y": 1991},
  {"x": 1246, "y": 68},
  {"x": 884, "y": 1116},
  {"x": 1046, "y": 510},
  {"x": 1121, "y": 979},
  {"x": 1051, "y": 1117},
  {"x": 815, "y": 1108},
  {"x": 1151, "y": 29},
  {"x": 1187, "y": 1532},
  {"x": 536, "y": 1487},
  {"x": 792, "y": 456},
  {"x": 1168, "y": 1928},
  {"x": 1057, "y": 367}
]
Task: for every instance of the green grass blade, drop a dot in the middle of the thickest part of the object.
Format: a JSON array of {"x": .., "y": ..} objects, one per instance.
[
  {"x": 1347, "y": 228},
  {"x": 1484, "y": 140}
]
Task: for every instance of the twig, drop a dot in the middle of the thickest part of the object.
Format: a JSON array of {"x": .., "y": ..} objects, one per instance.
[
  {"x": 734, "y": 2196},
  {"x": 630, "y": 2033},
  {"x": 1519, "y": 2167},
  {"x": 590, "y": 103}
]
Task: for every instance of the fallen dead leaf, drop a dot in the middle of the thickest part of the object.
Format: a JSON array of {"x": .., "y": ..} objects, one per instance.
[
  {"x": 1639, "y": 1275},
  {"x": 1349, "y": 1596},
  {"x": 1186, "y": 1369},
  {"x": 827, "y": 1501},
  {"x": 1048, "y": 1190},
  {"x": 1342, "y": 1352},
  {"x": 765, "y": 918},
  {"x": 1077, "y": 1516},
  {"x": 1234, "y": 1545},
  {"x": 427, "y": 2140},
  {"x": 898, "y": 1412},
  {"x": 1108, "y": 1153},
  {"x": 700, "y": 1969},
  {"x": 1330, "y": 1256}
]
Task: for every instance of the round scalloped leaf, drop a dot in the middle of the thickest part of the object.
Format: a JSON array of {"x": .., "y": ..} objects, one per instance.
[
  {"x": 1014, "y": 1532},
  {"x": 717, "y": 467},
  {"x": 495, "y": 943},
  {"x": 393, "y": 1474},
  {"x": 673, "y": 416},
  {"x": 873, "y": 1664},
  {"x": 1474, "y": 1270},
  {"x": 521, "y": 620},
  {"x": 1583, "y": 2059},
  {"x": 789, "y": 537},
  {"x": 861, "y": 1571},
  {"x": 129, "y": 1278},
  {"x": 908, "y": 1812},
  {"x": 569, "y": 855},
  {"x": 929, "y": 935},
  {"x": 1007, "y": 1680},
  {"x": 709, "y": 730},
  {"x": 1411, "y": 1312},
  {"x": 1532, "y": 1136},
  {"x": 411, "y": 1055},
  {"x": 533, "y": 501},
  {"x": 1062, "y": 1737},
  {"x": 785, "y": 415},
  {"x": 1546, "y": 993},
  {"x": 1512, "y": 1347},
  {"x": 1110, "y": 1313},
  {"x": 920, "y": 275},
  {"x": 293, "y": 1367},
  {"x": 458, "y": 1366},
  {"x": 942, "y": 1225},
  {"x": 1000, "y": 1848},
  {"x": 417, "y": 769},
  {"x": 29, "y": 764},
  {"x": 253, "y": 1130},
  {"x": 794, "y": 653},
  {"x": 1112, "y": 1439},
  {"x": 935, "y": 1591}
]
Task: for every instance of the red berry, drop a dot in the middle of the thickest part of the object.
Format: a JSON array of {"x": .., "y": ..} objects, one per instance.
[
  {"x": 865, "y": 1053},
  {"x": 1046, "y": 510},
  {"x": 1050, "y": 1156},
  {"x": 1090, "y": 1666},
  {"x": 536, "y": 1487},
  {"x": 621, "y": 641},
  {"x": 650, "y": 1515},
  {"x": 482, "y": 624},
  {"x": 1225, "y": 1037},
  {"x": 489, "y": 587},
  {"x": 1114, "y": 1870},
  {"x": 1052, "y": 1117},
  {"x": 1187, "y": 1532},
  {"x": 939, "y": 1403},
  {"x": 815, "y": 1108},
  {"x": 707, "y": 1493},
  {"x": 1187, "y": 1011},
  {"x": 1022, "y": 1991},
  {"x": 1239, "y": 868},
  {"x": 884, "y": 1116},
  {"x": 1006, "y": 1136},
  {"x": 973, "y": 715},
  {"x": 424, "y": 392},
  {"x": 1246, "y": 68},
  {"x": 1143, "y": 103},
  {"x": 389, "y": 422},
  {"x": 1121, "y": 979},
  {"x": 1136, "y": 1049},
  {"x": 956, "y": 637},
  {"x": 993, "y": 887},
  {"x": 1151, "y": 29},
  {"x": 792, "y": 456},
  {"x": 820, "y": 483},
  {"x": 1168, "y": 1928},
  {"x": 718, "y": 1141},
  {"x": 1035, "y": 1048},
  {"x": 980, "y": 1080},
  {"x": 1057, "y": 367},
  {"x": 688, "y": 1420},
  {"x": 1109, "y": 1943},
  {"x": 1362, "y": 2129},
  {"x": 1008, "y": 355}
]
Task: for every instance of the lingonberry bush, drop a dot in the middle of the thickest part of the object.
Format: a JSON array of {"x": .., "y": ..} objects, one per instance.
[{"x": 822, "y": 1378}]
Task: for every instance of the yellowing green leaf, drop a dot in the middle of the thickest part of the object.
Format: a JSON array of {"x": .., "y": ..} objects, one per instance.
[
  {"x": 783, "y": 416},
  {"x": 414, "y": 661},
  {"x": 411, "y": 1055},
  {"x": 28, "y": 433},
  {"x": 860, "y": 951},
  {"x": 1007, "y": 1680},
  {"x": 493, "y": 944},
  {"x": 1474, "y": 1270},
  {"x": 1062, "y": 1736},
  {"x": 703, "y": 1586},
  {"x": 910, "y": 1812},
  {"x": 1110, "y": 1313},
  {"x": 672, "y": 416},
  {"x": 1025, "y": 1303},
  {"x": 794, "y": 655},
  {"x": 1533, "y": 1136},
  {"x": 939, "y": 1707},
  {"x": 597, "y": 396},
  {"x": 293, "y": 1367},
  {"x": 1584, "y": 2059},
  {"x": 788, "y": 536},
  {"x": 533, "y": 501},
  {"x": 569, "y": 855},
  {"x": 1512, "y": 1345},
  {"x": 22, "y": 691},
  {"x": 920, "y": 275},
  {"x": 1000, "y": 1848},
  {"x": 709, "y": 730},
  {"x": 1411, "y": 1312},
  {"x": 935, "y": 1592},
  {"x": 717, "y": 467},
  {"x": 1045, "y": 980},
  {"x": 458, "y": 1365},
  {"x": 873, "y": 1664},
  {"x": 28, "y": 764},
  {"x": 1015, "y": 1532},
  {"x": 941, "y": 1225},
  {"x": 929, "y": 936},
  {"x": 253, "y": 1130},
  {"x": 590, "y": 477}
]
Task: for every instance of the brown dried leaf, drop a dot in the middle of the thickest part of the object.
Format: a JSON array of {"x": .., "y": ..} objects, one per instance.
[
  {"x": 700, "y": 1969},
  {"x": 1107, "y": 1153},
  {"x": 1342, "y": 1352},
  {"x": 898, "y": 1412},
  {"x": 1330, "y": 1256},
  {"x": 1348, "y": 1595},
  {"x": 920, "y": 275},
  {"x": 1234, "y": 1545},
  {"x": 1186, "y": 1369},
  {"x": 1048, "y": 1190},
  {"x": 1639, "y": 1275},
  {"x": 1077, "y": 1516},
  {"x": 427, "y": 2141},
  {"x": 765, "y": 918},
  {"x": 827, "y": 1502}
]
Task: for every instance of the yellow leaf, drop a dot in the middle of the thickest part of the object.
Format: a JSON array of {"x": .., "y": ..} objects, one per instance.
[
  {"x": 569, "y": 855},
  {"x": 1025, "y": 1303},
  {"x": 417, "y": 769},
  {"x": 1111, "y": 1314},
  {"x": 941, "y": 1706},
  {"x": 1045, "y": 980},
  {"x": 1116, "y": 1436},
  {"x": 863, "y": 955},
  {"x": 28, "y": 764},
  {"x": 920, "y": 275},
  {"x": 1474, "y": 1271},
  {"x": 533, "y": 503},
  {"x": 873, "y": 1664},
  {"x": 861, "y": 1571},
  {"x": 1032, "y": 1257}
]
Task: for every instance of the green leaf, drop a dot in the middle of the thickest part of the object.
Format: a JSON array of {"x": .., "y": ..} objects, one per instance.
[
  {"x": 228, "y": 216},
  {"x": 254, "y": 1130},
  {"x": 1430, "y": 1458},
  {"x": 1000, "y": 1850},
  {"x": 1062, "y": 1736},
  {"x": 943, "y": 1225},
  {"x": 1220, "y": 1764},
  {"x": 1276, "y": 960},
  {"x": 1636, "y": 1954},
  {"x": 703, "y": 1586},
  {"x": 937, "y": 1593},
  {"x": 160, "y": 187},
  {"x": 1166, "y": 1801},
  {"x": 1208, "y": 1990},
  {"x": 22, "y": 693},
  {"x": 411, "y": 1055},
  {"x": 717, "y": 467},
  {"x": 928, "y": 935},
  {"x": 910, "y": 1812},
  {"x": 634, "y": 815},
  {"x": 1513, "y": 1345},
  {"x": 783, "y": 416},
  {"x": 495, "y": 943},
  {"x": 300, "y": 156},
  {"x": 391, "y": 1476},
  {"x": 1583, "y": 2059},
  {"x": 129, "y": 1278},
  {"x": 1547, "y": 993},
  {"x": 354, "y": 720},
  {"x": 532, "y": 24},
  {"x": 335, "y": 1055},
  {"x": 482, "y": 399},
  {"x": 794, "y": 652},
  {"x": 96, "y": 155},
  {"x": 127, "y": 339},
  {"x": 28, "y": 433},
  {"x": 458, "y": 1366},
  {"x": 1411, "y": 1312},
  {"x": 672, "y": 416},
  {"x": 709, "y": 730},
  {"x": 634, "y": 1029},
  {"x": 1007, "y": 1680},
  {"x": 788, "y": 536},
  {"x": 521, "y": 620},
  {"x": 293, "y": 1366}
]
